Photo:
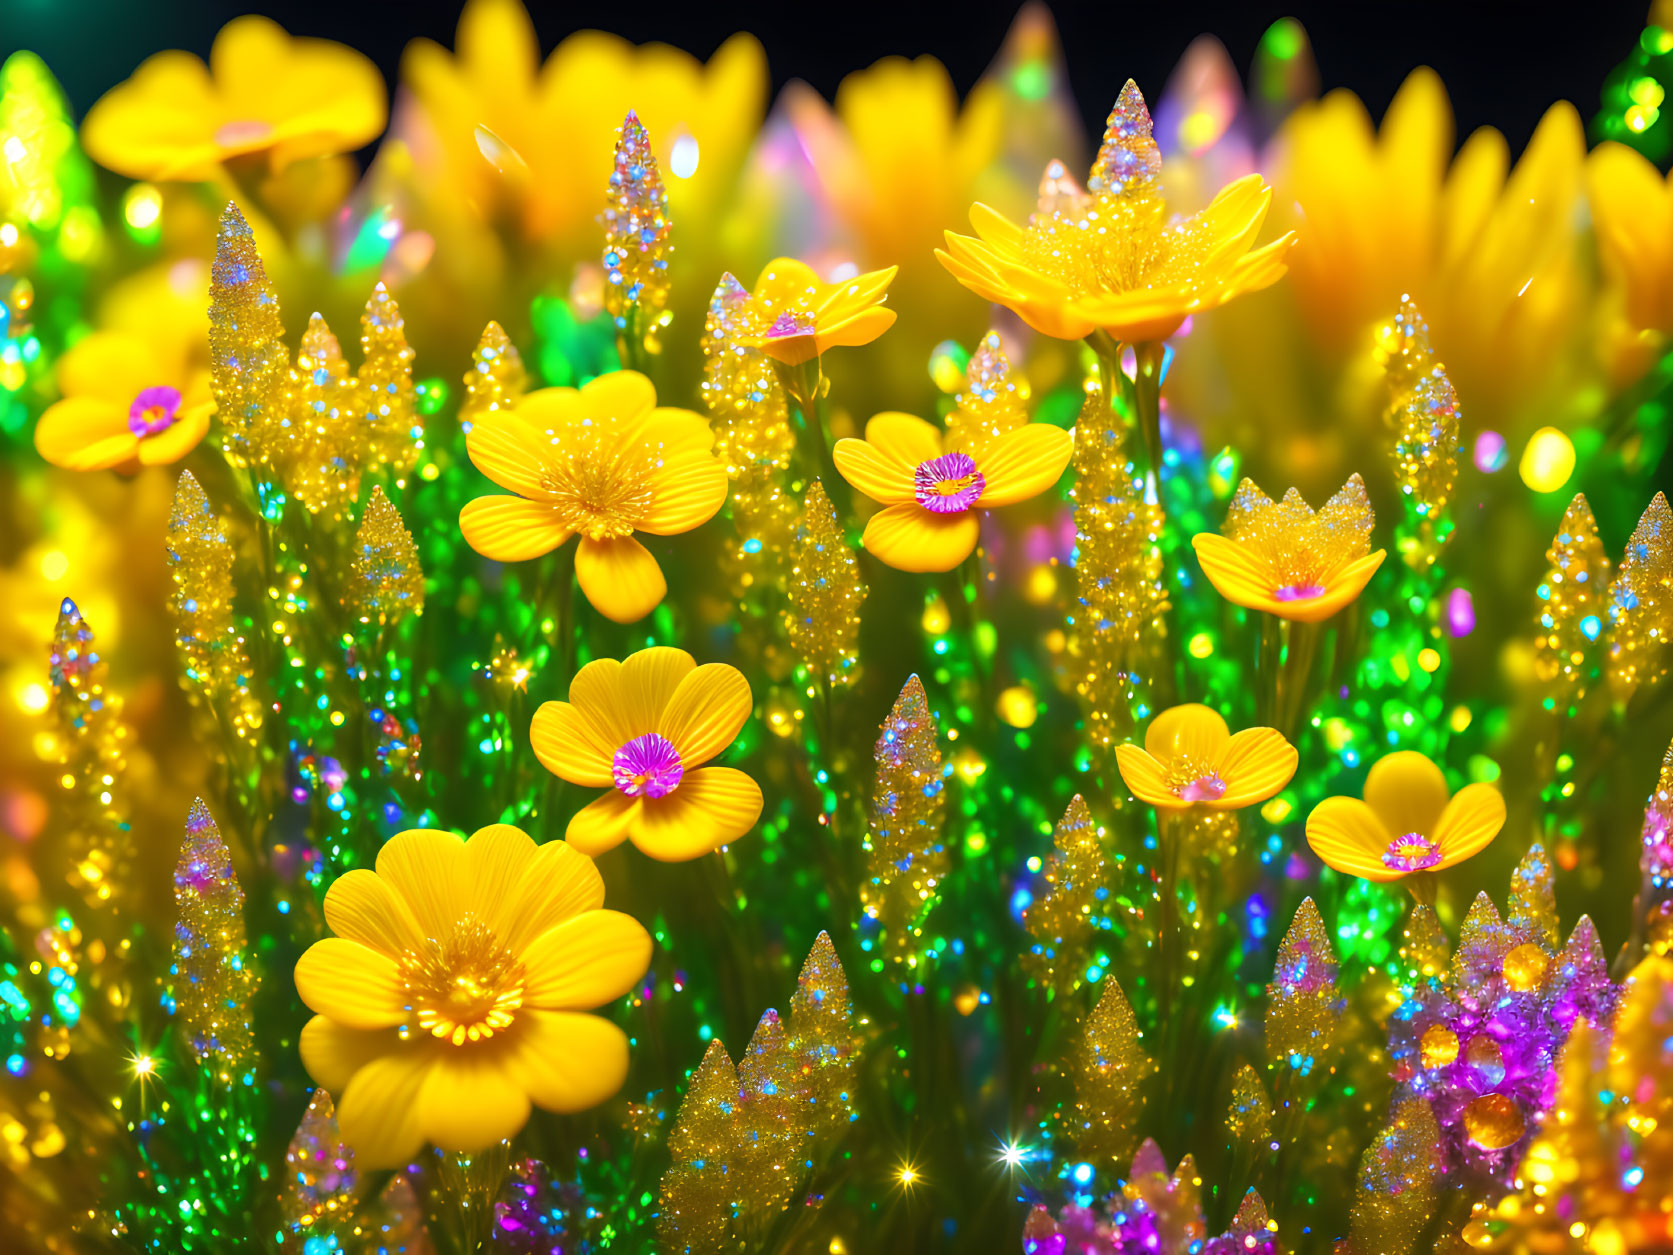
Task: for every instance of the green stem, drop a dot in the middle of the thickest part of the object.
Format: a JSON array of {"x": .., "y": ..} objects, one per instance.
[
  {"x": 1147, "y": 392},
  {"x": 801, "y": 384}
]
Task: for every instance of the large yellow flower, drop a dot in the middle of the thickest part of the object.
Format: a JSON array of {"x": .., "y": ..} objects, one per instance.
[
  {"x": 1282, "y": 558},
  {"x": 1409, "y": 821},
  {"x": 643, "y": 729},
  {"x": 262, "y": 92},
  {"x": 1192, "y": 760},
  {"x": 1110, "y": 258},
  {"x": 932, "y": 485},
  {"x": 127, "y": 402},
  {"x": 452, "y": 996},
  {"x": 599, "y": 462},
  {"x": 1632, "y": 212},
  {"x": 794, "y": 316}
]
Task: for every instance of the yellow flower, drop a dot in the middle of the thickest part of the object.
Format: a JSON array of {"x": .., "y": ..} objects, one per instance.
[
  {"x": 1191, "y": 759},
  {"x": 452, "y": 996},
  {"x": 794, "y": 316},
  {"x": 262, "y": 92},
  {"x": 931, "y": 487},
  {"x": 1282, "y": 558},
  {"x": 127, "y": 402},
  {"x": 1632, "y": 212},
  {"x": 643, "y": 728},
  {"x": 1110, "y": 258},
  {"x": 601, "y": 463},
  {"x": 1409, "y": 821}
]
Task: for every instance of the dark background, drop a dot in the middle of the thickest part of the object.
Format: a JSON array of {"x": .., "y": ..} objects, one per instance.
[{"x": 1503, "y": 63}]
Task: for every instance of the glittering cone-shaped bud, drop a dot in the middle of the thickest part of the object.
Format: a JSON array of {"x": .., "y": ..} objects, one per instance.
[
  {"x": 321, "y": 451},
  {"x": 1251, "y": 1231},
  {"x": 1064, "y": 911},
  {"x": 1641, "y": 604},
  {"x": 1116, "y": 621},
  {"x": 774, "y": 1143},
  {"x": 1424, "y": 423},
  {"x": 1109, "y": 1067},
  {"x": 823, "y": 592},
  {"x": 1533, "y": 900},
  {"x": 212, "y": 652},
  {"x": 1406, "y": 354},
  {"x": 1424, "y": 948},
  {"x": 1655, "y": 857},
  {"x": 1060, "y": 194},
  {"x": 213, "y": 980},
  {"x": 1577, "y": 983},
  {"x": 1128, "y": 164},
  {"x": 249, "y": 366},
  {"x": 1572, "y": 606},
  {"x": 1302, "y": 1007},
  {"x": 1249, "y": 1118},
  {"x": 387, "y": 581},
  {"x": 906, "y": 856},
  {"x": 992, "y": 403},
  {"x": 319, "y": 1178},
  {"x": 1397, "y": 1181},
  {"x": 636, "y": 236},
  {"x": 387, "y": 394},
  {"x": 821, "y": 1028},
  {"x": 496, "y": 379},
  {"x": 699, "y": 1198},
  {"x": 1478, "y": 962}
]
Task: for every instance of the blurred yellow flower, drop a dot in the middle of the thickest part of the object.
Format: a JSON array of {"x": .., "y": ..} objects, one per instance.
[
  {"x": 1282, "y": 558},
  {"x": 1409, "y": 821},
  {"x": 1632, "y": 213},
  {"x": 262, "y": 92},
  {"x": 1109, "y": 258},
  {"x": 452, "y": 996},
  {"x": 643, "y": 728},
  {"x": 931, "y": 486},
  {"x": 601, "y": 463},
  {"x": 1191, "y": 759},
  {"x": 794, "y": 316},
  {"x": 127, "y": 402}
]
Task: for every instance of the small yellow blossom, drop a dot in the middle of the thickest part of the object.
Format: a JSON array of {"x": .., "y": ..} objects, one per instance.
[
  {"x": 793, "y": 315},
  {"x": 127, "y": 402},
  {"x": 1192, "y": 760}
]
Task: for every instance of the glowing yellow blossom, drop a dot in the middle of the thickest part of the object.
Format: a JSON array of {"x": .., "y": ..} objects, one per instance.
[
  {"x": 1110, "y": 258},
  {"x": 793, "y": 315},
  {"x": 452, "y": 996},
  {"x": 1282, "y": 558},
  {"x": 931, "y": 486},
  {"x": 643, "y": 728},
  {"x": 1191, "y": 759},
  {"x": 262, "y": 92},
  {"x": 1409, "y": 821},
  {"x": 127, "y": 402},
  {"x": 1632, "y": 212},
  {"x": 601, "y": 463}
]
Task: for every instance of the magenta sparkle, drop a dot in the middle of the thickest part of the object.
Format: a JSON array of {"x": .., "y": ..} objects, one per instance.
[
  {"x": 789, "y": 325},
  {"x": 1209, "y": 788},
  {"x": 1413, "y": 852},
  {"x": 647, "y": 766},
  {"x": 1300, "y": 592},
  {"x": 153, "y": 410},
  {"x": 949, "y": 484}
]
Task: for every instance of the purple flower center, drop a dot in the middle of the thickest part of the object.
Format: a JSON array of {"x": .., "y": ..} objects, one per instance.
[
  {"x": 153, "y": 410},
  {"x": 647, "y": 766},
  {"x": 1300, "y": 592},
  {"x": 788, "y": 325},
  {"x": 949, "y": 484},
  {"x": 1209, "y": 788},
  {"x": 1413, "y": 852}
]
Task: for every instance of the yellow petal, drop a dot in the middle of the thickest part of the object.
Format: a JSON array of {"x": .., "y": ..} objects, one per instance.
[
  {"x": 1024, "y": 463},
  {"x": 649, "y": 680},
  {"x": 585, "y": 961},
  {"x": 711, "y": 807},
  {"x": 114, "y": 367},
  {"x": 510, "y": 529},
  {"x": 904, "y": 437},
  {"x": 677, "y": 431},
  {"x": 1237, "y": 575},
  {"x": 862, "y": 328},
  {"x": 1146, "y": 778},
  {"x": 470, "y": 1099},
  {"x": 378, "y": 1112},
  {"x": 1191, "y": 728},
  {"x": 1469, "y": 823},
  {"x": 566, "y": 1061},
  {"x": 85, "y": 434},
  {"x": 571, "y": 746},
  {"x": 857, "y": 293},
  {"x": 558, "y": 882},
  {"x": 687, "y": 491},
  {"x": 619, "y": 394},
  {"x": 363, "y": 907},
  {"x": 596, "y": 691},
  {"x": 603, "y": 823},
  {"x": 332, "y": 1053},
  {"x": 513, "y": 454},
  {"x": 911, "y": 538},
  {"x": 182, "y": 436},
  {"x": 1255, "y": 764},
  {"x": 424, "y": 866},
  {"x": 1348, "y": 836},
  {"x": 879, "y": 475},
  {"x": 496, "y": 859},
  {"x": 351, "y": 983},
  {"x": 706, "y": 712},
  {"x": 619, "y": 577},
  {"x": 1408, "y": 793}
]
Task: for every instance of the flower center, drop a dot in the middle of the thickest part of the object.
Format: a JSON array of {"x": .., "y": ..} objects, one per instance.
[
  {"x": 949, "y": 484},
  {"x": 153, "y": 410},
  {"x": 597, "y": 484},
  {"x": 1300, "y": 592},
  {"x": 648, "y": 766},
  {"x": 1413, "y": 852},
  {"x": 791, "y": 324},
  {"x": 1191, "y": 780},
  {"x": 245, "y": 131},
  {"x": 466, "y": 988}
]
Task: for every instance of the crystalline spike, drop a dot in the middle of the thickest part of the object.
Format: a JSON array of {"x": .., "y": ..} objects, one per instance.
[
  {"x": 1109, "y": 1066},
  {"x": 1641, "y": 604},
  {"x": 906, "y": 856},
  {"x": 823, "y": 593},
  {"x": 1062, "y": 916},
  {"x": 387, "y": 582},
  {"x": 1533, "y": 900},
  {"x": 249, "y": 366},
  {"x": 1129, "y": 163},
  {"x": 387, "y": 392},
  {"x": 636, "y": 235},
  {"x": 496, "y": 379},
  {"x": 1302, "y": 1008},
  {"x": 214, "y": 976},
  {"x": 1572, "y": 605}
]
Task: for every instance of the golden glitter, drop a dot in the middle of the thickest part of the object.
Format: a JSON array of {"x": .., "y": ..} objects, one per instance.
[
  {"x": 249, "y": 367},
  {"x": 1302, "y": 1007},
  {"x": 1424, "y": 424},
  {"x": 388, "y": 399},
  {"x": 465, "y": 988},
  {"x": 993, "y": 402},
  {"x": 1440, "y": 1046},
  {"x": 1397, "y": 1182},
  {"x": 1109, "y": 1067},
  {"x": 387, "y": 582},
  {"x": 214, "y": 978},
  {"x": 1061, "y": 919},
  {"x": 906, "y": 855},
  {"x": 636, "y": 238},
  {"x": 823, "y": 593},
  {"x": 1572, "y": 600},
  {"x": 1249, "y": 1119},
  {"x": 1641, "y": 604},
  {"x": 496, "y": 379},
  {"x": 596, "y": 483},
  {"x": 1301, "y": 548}
]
